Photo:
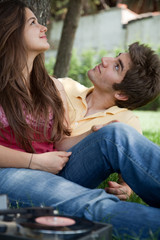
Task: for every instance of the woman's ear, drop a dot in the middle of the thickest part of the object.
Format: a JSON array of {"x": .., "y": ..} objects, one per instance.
[{"x": 121, "y": 96}]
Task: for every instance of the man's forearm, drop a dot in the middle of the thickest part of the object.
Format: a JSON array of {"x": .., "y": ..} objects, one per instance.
[{"x": 68, "y": 142}]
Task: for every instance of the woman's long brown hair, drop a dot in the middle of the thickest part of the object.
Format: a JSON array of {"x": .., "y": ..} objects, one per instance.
[{"x": 15, "y": 99}]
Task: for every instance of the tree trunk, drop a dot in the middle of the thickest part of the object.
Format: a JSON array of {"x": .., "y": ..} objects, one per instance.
[
  {"x": 41, "y": 8},
  {"x": 67, "y": 38}
]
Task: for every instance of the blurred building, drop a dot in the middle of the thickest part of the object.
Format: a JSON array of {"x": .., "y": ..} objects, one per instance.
[{"x": 114, "y": 28}]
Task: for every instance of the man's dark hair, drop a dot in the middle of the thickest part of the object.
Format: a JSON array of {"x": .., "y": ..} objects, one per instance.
[{"x": 141, "y": 83}]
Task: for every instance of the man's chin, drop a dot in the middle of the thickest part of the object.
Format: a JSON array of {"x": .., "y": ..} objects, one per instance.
[{"x": 91, "y": 75}]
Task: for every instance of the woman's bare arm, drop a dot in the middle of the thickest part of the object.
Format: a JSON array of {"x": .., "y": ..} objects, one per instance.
[
  {"x": 13, "y": 158},
  {"x": 50, "y": 161}
]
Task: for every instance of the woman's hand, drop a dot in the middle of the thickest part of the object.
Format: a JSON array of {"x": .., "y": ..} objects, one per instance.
[{"x": 52, "y": 162}]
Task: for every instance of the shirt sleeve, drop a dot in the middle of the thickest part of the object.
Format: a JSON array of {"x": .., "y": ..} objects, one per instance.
[{"x": 135, "y": 123}]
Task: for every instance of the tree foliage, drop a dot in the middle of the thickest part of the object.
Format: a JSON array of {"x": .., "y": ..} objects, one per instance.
[
  {"x": 59, "y": 7},
  {"x": 143, "y": 6}
]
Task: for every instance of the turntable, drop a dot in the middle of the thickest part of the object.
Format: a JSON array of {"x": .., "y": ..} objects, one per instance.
[{"x": 45, "y": 224}]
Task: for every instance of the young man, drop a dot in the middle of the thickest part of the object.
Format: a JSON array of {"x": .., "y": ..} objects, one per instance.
[{"x": 126, "y": 82}]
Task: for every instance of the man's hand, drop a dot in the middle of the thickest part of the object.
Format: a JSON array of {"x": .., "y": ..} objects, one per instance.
[
  {"x": 120, "y": 190},
  {"x": 95, "y": 128}
]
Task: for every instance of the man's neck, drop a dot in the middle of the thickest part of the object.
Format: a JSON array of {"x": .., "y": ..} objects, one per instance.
[{"x": 98, "y": 102}]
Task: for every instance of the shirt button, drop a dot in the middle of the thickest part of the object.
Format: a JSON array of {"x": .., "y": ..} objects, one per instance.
[{"x": 76, "y": 124}]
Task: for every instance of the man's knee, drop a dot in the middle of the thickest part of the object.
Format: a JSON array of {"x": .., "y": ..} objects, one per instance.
[
  {"x": 118, "y": 132},
  {"x": 117, "y": 127}
]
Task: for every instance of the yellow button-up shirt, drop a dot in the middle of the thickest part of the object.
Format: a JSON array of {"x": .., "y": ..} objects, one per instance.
[{"x": 77, "y": 106}]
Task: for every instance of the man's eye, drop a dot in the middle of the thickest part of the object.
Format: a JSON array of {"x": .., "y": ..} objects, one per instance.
[{"x": 117, "y": 67}]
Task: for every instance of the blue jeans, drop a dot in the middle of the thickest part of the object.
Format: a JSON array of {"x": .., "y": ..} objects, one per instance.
[
  {"x": 121, "y": 149},
  {"x": 117, "y": 148}
]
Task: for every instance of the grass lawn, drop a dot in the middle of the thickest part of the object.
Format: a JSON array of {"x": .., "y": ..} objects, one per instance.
[{"x": 150, "y": 123}]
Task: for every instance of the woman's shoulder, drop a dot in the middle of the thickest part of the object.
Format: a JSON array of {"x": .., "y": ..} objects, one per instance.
[
  {"x": 60, "y": 88},
  {"x": 63, "y": 96},
  {"x": 58, "y": 84}
]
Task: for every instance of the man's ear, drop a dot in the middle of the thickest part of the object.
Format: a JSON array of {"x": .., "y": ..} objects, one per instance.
[{"x": 121, "y": 96}]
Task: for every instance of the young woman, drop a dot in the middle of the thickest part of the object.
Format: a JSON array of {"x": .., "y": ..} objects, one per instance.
[{"x": 32, "y": 116}]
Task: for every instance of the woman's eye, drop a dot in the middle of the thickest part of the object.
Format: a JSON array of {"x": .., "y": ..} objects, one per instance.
[
  {"x": 117, "y": 67},
  {"x": 33, "y": 22}
]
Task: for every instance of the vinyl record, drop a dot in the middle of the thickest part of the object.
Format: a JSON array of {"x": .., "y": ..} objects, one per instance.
[{"x": 55, "y": 224}]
